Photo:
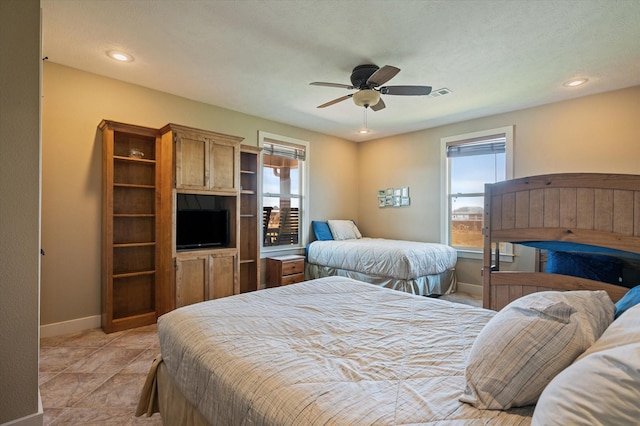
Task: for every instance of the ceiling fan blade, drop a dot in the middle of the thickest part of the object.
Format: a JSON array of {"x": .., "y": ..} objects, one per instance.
[
  {"x": 335, "y": 101},
  {"x": 406, "y": 90},
  {"x": 338, "y": 85},
  {"x": 383, "y": 75},
  {"x": 377, "y": 107}
]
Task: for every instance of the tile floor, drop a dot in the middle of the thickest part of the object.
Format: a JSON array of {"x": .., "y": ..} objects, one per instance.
[
  {"x": 465, "y": 298},
  {"x": 93, "y": 378}
]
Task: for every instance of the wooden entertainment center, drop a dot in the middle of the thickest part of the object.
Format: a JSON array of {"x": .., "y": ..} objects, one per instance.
[{"x": 144, "y": 275}]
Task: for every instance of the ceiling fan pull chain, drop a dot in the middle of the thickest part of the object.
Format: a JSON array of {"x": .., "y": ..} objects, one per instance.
[{"x": 366, "y": 125}]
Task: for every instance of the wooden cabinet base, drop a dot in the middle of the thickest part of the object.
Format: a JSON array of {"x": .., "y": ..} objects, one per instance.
[
  {"x": 205, "y": 275},
  {"x": 133, "y": 321}
]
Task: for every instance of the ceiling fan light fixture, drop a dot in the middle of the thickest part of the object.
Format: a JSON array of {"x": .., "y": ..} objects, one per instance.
[{"x": 366, "y": 97}]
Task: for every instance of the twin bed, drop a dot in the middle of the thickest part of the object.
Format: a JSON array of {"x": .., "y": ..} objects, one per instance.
[
  {"x": 410, "y": 266},
  {"x": 336, "y": 351}
]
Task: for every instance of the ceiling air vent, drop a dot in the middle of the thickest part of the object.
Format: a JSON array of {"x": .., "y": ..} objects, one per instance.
[{"x": 439, "y": 92}]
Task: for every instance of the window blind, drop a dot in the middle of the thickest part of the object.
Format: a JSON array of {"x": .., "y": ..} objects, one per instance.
[
  {"x": 286, "y": 151},
  {"x": 493, "y": 145}
]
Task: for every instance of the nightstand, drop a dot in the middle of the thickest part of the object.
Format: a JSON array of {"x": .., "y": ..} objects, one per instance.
[{"x": 283, "y": 270}]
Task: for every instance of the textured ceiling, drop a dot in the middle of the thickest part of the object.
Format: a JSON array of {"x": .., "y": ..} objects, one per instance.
[{"x": 259, "y": 56}]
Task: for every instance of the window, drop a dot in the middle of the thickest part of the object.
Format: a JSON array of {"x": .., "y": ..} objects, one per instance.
[
  {"x": 471, "y": 160},
  {"x": 284, "y": 202}
]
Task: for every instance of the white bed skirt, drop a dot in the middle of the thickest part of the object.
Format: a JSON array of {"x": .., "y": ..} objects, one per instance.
[{"x": 442, "y": 283}]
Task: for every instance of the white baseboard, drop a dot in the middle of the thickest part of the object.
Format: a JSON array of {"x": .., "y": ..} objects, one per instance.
[
  {"x": 71, "y": 326},
  {"x": 35, "y": 419},
  {"x": 474, "y": 289}
]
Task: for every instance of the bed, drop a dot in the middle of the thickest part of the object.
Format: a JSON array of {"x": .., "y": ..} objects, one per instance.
[
  {"x": 410, "y": 266},
  {"x": 337, "y": 351},
  {"x": 330, "y": 351},
  {"x": 588, "y": 214}
]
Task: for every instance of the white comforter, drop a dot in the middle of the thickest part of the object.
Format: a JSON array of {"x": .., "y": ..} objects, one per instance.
[
  {"x": 331, "y": 351},
  {"x": 381, "y": 257}
]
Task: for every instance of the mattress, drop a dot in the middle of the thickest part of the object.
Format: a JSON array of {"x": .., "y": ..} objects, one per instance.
[
  {"x": 331, "y": 351},
  {"x": 425, "y": 285},
  {"x": 381, "y": 257}
]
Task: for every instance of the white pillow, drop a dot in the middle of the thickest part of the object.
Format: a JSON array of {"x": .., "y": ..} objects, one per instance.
[
  {"x": 602, "y": 386},
  {"x": 529, "y": 342},
  {"x": 344, "y": 229},
  {"x": 622, "y": 331}
]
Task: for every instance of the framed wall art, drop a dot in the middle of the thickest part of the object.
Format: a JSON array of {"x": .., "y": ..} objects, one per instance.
[{"x": 394, "y": 197}]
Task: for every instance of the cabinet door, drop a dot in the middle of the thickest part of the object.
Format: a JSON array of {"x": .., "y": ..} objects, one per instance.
[
  {"x": 204, "y": 276},
  {"x": 222, "y": 282},
  {"x": 192, "y": 279},
  {"x": 205, "y": 164},
  {"x": 223, "y": 166},
  {"x": 192, "y": 162}
]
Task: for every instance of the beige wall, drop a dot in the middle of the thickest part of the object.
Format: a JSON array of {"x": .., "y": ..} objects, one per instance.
[
  {"x": 74, "y": 103},
  {"x": 19, "y": 210},
  {"x": 599, "y": 133},
  {"x": 590, "y": 134}
]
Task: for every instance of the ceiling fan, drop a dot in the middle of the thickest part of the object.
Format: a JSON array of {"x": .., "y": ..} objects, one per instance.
[{"x": 367, "y": 79}]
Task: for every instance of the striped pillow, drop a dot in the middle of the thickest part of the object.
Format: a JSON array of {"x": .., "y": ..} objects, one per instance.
[{"x": 530, "y": 341}]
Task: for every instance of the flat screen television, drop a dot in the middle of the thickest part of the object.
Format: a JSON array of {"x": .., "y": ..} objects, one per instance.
[{"x": 201, "y": 228}]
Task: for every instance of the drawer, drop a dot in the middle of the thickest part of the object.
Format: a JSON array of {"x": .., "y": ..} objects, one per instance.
[
  {"x": 292, "y": 279},
  {"x": 296, "y": 267},
  {"x": 283, "y": 270}
]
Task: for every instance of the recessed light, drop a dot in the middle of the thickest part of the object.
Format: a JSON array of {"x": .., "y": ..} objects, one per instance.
[
  {"x": 575, "y": 82},
  {"x": 363, "y": 131},
  {"x": 119, "y": 56}
]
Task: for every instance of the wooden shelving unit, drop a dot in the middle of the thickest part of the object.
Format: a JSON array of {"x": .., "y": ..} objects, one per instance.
[
  {"x": 249, "y": 218},
  {"x": 134, "y": 255},
  {"x": 144, "y": 171}
]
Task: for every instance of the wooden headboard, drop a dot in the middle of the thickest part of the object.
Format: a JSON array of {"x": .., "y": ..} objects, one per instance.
[{"x": 588, "y": 208}]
